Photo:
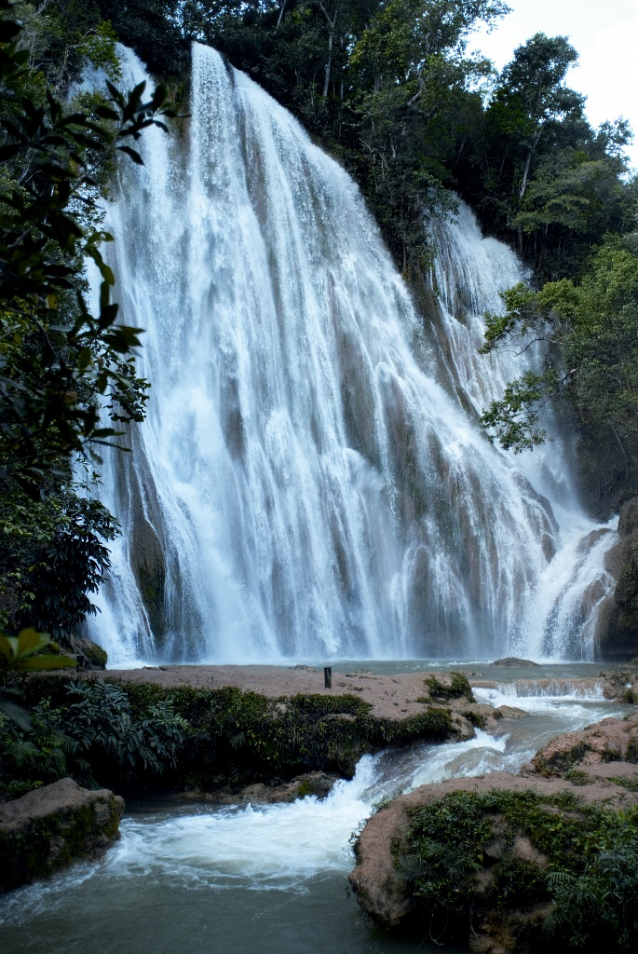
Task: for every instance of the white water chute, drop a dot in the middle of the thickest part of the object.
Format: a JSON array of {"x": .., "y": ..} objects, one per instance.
[{"x": 303, "y": 487}]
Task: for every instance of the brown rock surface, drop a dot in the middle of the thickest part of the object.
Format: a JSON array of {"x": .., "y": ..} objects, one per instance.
[
  {"x": 376, "y": 881},
  {"x": 52, "y": 826},
  {"x": 395, "y": 697},
  {"x": 318, "y": 784},
  {"x": 510, "y": 712},
  {"x": 612, "y": 740}
]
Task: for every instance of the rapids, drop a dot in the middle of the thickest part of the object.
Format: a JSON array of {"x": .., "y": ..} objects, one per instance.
[{"x": 310, "y": 482}]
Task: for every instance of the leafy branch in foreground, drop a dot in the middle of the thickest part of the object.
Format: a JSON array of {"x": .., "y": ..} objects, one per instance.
[
  {"x": 58, "y": 361},
  {"x": 64, "y": 366},
  {"x": 89, "y": 732},
  {"x": 513, "y": 421},
  {"x": 22, "y": 654}
]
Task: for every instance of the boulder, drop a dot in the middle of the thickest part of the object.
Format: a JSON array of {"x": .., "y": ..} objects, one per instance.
[
  {"x": 513, "y": 662},
  {"x": 498, "y": 903},
  {"x": 53, "y": 826},
  {"x": 89, "y": 654},
  {"x": 318, "y": 784},
  {"x": 612, "y": 740},
  {"x": 510, "y": 712}
]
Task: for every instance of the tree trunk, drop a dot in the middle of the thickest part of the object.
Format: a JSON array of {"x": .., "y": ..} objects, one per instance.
[
  {"x": 523, "y": 188},
  {"x": 281, "y": 14},
  {"x": 326, "y": 82}
]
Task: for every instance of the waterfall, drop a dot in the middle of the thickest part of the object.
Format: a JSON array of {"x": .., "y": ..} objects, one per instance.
[{"x": 310, "y": 482}]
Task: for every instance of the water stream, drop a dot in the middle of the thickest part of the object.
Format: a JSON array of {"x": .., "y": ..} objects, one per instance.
[
  {"x": 311, "y": 481},
  {"x": 262, "y": 879}
]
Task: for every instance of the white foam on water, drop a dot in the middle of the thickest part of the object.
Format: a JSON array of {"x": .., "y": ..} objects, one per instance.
[
  {"x": 543, "y": 699},
  {"x": 283, "y": 847},
  {"x": 477, "y": 756},
  {"x": 277, "y": 846}
]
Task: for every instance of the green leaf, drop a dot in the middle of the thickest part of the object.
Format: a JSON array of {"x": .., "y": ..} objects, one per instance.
[
  {"x": 30, "y": 641},
  {"x": 135, "y": 156},
  {"x": 19, "y": 715},
  {"x": 8, "y": 646}
]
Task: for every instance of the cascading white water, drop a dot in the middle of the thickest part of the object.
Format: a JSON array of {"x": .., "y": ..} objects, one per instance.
[{"x": 304, "y": 487}]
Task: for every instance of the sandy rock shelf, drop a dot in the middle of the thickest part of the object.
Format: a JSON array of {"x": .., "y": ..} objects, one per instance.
[{"x": 391, "y": 697}]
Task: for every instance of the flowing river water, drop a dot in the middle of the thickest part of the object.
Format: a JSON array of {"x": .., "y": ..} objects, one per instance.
[{"x": 273, "y": 879}]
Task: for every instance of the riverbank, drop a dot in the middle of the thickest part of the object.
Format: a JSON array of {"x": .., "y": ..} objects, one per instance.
[
  {"x": 509, "y": 863},
  {"x": 205, "y": 732},
  {"x": 265, "y": 724},
  {"x": 395, "y": 697},
  {"x": 261, "y": 735}
]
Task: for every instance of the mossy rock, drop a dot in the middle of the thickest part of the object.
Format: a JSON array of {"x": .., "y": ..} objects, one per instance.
[
  {"x": 51, "y": 827},
  {"x": 505, "y": 863},
  {"x": 96, "y": 656},
  {"x": 236, "y": 738},
  {"x": 456, "y": 687}
]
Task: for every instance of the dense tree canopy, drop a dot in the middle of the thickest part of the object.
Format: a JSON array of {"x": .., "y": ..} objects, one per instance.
[{"x": 590, "y": 330}]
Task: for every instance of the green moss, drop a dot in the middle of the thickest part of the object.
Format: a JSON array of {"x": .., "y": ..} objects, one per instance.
[
  {"x": 305, "y": 789},
  {"x": 632, "y": 752},
  {"x": 240, "y": 737},
  {"x": 578, "y": 778},
  {"x": 235, "y": 738},
  {"x": 450, "y": 841},
  {"x": 476, "y": 719},
  {"x": 95, "y": 654},
  {"x": 457, "y": 688},
  {"x": 631, "y": 784},
  {"x": 47, "y": 844},
  {"x": 564, "y": 761}
]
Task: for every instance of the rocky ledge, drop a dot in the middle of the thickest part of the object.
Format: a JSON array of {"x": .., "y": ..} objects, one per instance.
[
  {"x": 267, "y": 725},
  {"x": 515, "y": 863},
  {"x": 604, "y": 750},
  {"x": 395, "y": 698},
  {"x": 51, "y": 827}
]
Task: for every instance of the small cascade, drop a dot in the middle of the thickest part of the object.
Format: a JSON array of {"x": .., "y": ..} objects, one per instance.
[
  {"x": 470, "y": 271},
  {"x": 590, "y": 689},
  {"x": 304, "y": 486},
  {"x": 556, "y": 689}
]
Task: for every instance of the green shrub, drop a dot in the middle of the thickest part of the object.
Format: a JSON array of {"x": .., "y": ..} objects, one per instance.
[
  {"x": 102, "y": 723},
  {"x": 90, "y": 733},
  {"x": 457, "y": 688},
  {"x": 590, "y": 872}
]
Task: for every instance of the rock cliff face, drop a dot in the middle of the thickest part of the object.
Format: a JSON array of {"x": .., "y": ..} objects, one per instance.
[
  {"x": 617, "y": 634},
  {"x": 53, "y": 826},
  {"x": 468, "y": 859}
]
